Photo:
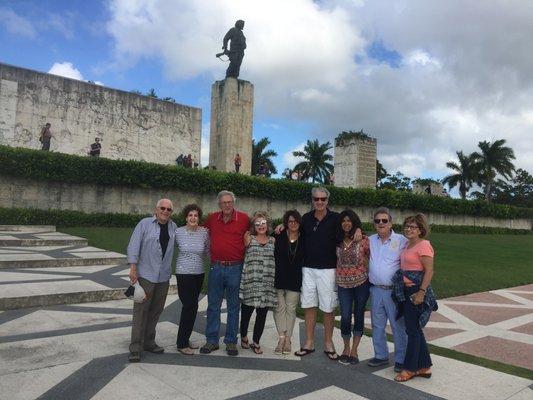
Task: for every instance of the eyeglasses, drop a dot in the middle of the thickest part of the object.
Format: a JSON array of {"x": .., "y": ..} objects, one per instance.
[
  {"x": 381, "y": 221},
  {"x": 260, "y": 222},
  {"x": 410, "y": 227},
  {"x": 317, "y": 199},
  {"x": 165, "y": 209},
  {"x": 292, "y": 221}
]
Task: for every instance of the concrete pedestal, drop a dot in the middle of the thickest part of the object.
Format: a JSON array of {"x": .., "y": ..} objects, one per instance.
[
  {"x": 355, "y": 162},
  {"x": 232, "y": 103}
]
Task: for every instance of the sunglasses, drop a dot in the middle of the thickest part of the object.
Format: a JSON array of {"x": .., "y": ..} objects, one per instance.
[
  {"x": 165, "y": 209},
  {"x": 260, "y": 223},
  {"x": 317, "y": 199},
  {"x": 381, "y": 221}
]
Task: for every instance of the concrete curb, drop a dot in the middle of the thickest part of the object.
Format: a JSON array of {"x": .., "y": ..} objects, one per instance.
[
  {"x": 62, "y": 262},
  {"x": 28, "y": 228},
  {"x": 14, "y": 303},
  {"x": 42, "y": 242}
]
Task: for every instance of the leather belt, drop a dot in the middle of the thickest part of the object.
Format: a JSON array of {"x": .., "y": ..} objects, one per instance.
[
  {"x": 384, "y": 287},
  {"x": 227, "y": 263}
]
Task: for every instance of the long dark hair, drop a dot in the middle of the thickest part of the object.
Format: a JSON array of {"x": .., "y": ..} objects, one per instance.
[{"x": 356, "y": 223}]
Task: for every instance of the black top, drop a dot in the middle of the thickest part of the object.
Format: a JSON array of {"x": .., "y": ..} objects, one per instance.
[
  {"x": 320, "y": 240},
  {"x": 289, "y": 261},
  {"x": 163, "y": 237},
  {"x": 95, "y": 149}
]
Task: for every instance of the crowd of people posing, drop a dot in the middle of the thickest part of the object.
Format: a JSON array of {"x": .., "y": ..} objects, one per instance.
[{"x": 322, "y": 260}]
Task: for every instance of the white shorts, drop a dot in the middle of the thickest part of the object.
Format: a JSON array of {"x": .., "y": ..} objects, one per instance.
[{"x": 318, "y": 289}]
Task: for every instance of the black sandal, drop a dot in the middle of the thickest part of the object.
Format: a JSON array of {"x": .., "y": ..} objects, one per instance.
[
  {"x": 245, "y": 343},
  {"x": 303, "y": 352},
  {"x": 332, "y": 355}
]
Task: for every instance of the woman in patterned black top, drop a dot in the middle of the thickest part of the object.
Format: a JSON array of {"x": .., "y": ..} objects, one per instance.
[{"x": 257, "y": 291}]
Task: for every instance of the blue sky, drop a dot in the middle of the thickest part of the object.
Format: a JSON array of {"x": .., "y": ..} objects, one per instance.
[{"x": 425, "y": 80}]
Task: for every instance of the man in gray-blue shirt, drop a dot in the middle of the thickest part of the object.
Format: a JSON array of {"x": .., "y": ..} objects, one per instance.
[
  {"x": 385, "y": 249},
  {"x": 150, "y": 254}
]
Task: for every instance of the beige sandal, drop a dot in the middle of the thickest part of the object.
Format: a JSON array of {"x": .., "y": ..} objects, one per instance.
[
  {"x": 186, "y": 351},
  {"x": 287, "y": 346},
  {"x": 281, "y": 345}
]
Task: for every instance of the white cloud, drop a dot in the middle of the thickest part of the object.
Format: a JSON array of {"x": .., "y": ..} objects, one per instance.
[
  {"x": 289, "y": 159},
  {"x": 17, "y": 25},
  {"x": 67, "y": 70},
  {"x": 204, "y": 146},
  {"x": 465, "y": 72}
]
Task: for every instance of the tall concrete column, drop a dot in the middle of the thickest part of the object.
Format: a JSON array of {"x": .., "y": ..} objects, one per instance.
[
  {"x": 355, "y": 161},
  {"x": 232, "y": 102}
]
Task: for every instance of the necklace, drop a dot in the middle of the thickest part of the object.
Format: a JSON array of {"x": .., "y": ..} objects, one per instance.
[
  {"x": 292, "y": 249},
  {"x": 347, "y": 244}
]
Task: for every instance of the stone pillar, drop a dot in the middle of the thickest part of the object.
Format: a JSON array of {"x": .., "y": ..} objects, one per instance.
[
  {"x": 355, "y": 161},
  {"x": 232, "y": 102}
]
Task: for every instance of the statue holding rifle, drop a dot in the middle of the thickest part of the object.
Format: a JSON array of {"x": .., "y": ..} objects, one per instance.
[{"x": 236, "y": 49}]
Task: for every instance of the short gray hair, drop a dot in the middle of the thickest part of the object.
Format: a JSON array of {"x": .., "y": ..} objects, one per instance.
[
  {"x": 223, "y": 193},
  {"x": 162, "y": 200},
  {"x": 382, "y": 210},
  {"x": 319, "y": 189}
]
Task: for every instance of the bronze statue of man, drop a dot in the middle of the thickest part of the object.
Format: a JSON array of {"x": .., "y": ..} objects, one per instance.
[{"x": 236, "y": 50}]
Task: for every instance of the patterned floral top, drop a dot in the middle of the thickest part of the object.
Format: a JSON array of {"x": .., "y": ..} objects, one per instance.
[
  {"x": 257, "y": 281},
  {"x": 352, "y": 263}
]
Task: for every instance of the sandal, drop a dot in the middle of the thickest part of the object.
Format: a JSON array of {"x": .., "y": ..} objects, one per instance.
[
  {"x": 256, "y": 348},
  {"x": 245, "y": 343},
  {"x": 424, "y": 373},
  {"x": 186, "y": 351},
  {"x": 332, "y": 355},
  {"x": 303, "y": 352},
  {"x": 404, "y": 376}
]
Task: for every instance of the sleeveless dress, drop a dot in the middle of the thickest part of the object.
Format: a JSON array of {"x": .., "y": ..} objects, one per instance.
[{"x": 257, "y": 281}]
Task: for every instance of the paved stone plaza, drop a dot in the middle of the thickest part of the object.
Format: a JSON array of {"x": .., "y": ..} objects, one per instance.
[{"x": 76, "y": 346}]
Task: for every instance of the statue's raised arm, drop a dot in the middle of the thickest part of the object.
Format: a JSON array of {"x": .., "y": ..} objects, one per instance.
[{"x": 237, "y": 44}]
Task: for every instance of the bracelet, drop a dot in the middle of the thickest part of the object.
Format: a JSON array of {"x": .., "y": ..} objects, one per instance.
[{"x": 424, "y": 290}]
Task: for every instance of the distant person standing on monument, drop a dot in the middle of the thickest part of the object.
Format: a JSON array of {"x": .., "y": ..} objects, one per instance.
[
  {"x": 45, "y": 137},
  {"x": 236, "y": 50},
  {"x": 95, "y": 148},
  {"x": 238, "y": 162}
]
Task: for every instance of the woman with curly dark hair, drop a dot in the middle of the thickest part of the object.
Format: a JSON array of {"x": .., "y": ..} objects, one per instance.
[{"x": 352, "y": 281}]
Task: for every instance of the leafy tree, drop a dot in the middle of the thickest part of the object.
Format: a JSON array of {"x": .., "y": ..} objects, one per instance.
[
  {"x": 465, "y": 173},
  {"x": 262, "y": 156},
  {"x": 171, "y": 99},
  {"x": 381, "y": 173},
  {"x": 398, "y": 182},
  {"x": 494, "y": 159},
  {"x": 316, "y": 165},
  {"x": 518, "y": 191}
]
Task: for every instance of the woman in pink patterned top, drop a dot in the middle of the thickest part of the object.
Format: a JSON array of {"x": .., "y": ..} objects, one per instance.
[{"x": 352, "y": 282}]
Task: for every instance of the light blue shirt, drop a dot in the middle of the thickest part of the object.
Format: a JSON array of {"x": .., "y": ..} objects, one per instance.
[
  {"x": 385, "y": 258},
  {"x": 145, "y": 250}
]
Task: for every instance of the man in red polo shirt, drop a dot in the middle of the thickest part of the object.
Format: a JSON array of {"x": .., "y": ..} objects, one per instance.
[{"x": 226, "y": 233}]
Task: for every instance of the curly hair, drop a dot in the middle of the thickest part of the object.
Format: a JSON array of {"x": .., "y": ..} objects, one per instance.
[
  {"x": 291, "y": 213},
  {"x": 421, "y": 221},
  {"x": 191, "y": 207}
]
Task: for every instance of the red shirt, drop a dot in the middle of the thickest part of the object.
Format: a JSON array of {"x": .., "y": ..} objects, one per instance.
[{"x": 227, "y": 239}]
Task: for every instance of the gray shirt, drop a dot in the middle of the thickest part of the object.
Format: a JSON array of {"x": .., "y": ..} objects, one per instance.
[
  {"x": 145, "y": 250},
  {"x": 193, "y": 247}
]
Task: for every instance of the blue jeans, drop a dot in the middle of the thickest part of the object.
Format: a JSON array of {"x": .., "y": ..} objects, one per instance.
[
  {"x": 417, "y": 355},
  {"x": 223, "y": 280},
  {"x": 384, "y": 308},
  {"x": 353, "y": 300}
]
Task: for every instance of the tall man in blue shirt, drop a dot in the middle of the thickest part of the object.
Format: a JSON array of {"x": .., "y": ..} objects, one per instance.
[
  {"x": 150, "y": 254},
  {"x": 385, "y": 249}
]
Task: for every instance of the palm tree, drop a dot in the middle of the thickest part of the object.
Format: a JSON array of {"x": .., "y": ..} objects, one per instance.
[
  {"x": 464, "y": 173},
  {"x": 316, "y": 165},
  {"x": 494, "y": 159},
  {"x": 260, "y": 156}
]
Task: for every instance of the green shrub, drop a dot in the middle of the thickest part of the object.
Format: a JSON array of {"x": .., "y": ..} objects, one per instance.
[{"x": 36, "y": 164}]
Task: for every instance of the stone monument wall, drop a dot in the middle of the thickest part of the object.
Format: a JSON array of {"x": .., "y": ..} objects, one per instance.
[
  {"x": 131, "y": 126},
  {"x": 232, "y": 102},
  {"x": 355, "y": 162}
]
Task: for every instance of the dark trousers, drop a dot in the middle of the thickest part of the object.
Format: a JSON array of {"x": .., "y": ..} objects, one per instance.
[
  {"x": 260, "y": 319},
  {"x": 417, "y": 355},
  {"x": 146, "y": 315},
  {"x": 46, "y": 145},
  {"x": 352, "y": 301},
  {"x": 189, "y": 286},
  {"x": 235, "y": 61}
]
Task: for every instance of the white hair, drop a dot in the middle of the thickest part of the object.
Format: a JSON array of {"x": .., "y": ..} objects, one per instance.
[
  {"x": 319, "y": 189},
  {"x": 226, "y": 193},
  {"x": 162, "y": 200}
]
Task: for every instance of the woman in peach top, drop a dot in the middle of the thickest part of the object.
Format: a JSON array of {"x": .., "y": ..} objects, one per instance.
[{"x": 413, "y": 292}]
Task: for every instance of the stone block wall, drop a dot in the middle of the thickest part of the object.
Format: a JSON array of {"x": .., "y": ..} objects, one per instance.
[
  {"x": 31, "y": 193},
  {"x": 232, "y": 102},
  {"x": 131, "y": 126},
  {"x": 355, "y": 162}
]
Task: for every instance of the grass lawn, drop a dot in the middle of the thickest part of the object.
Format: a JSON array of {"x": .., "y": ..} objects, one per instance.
[{"x": 464, "y": 263}]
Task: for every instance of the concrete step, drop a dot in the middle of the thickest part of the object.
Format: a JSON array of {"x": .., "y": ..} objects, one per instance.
[
  {"x": 36, "y": 287},
  {"x": 56, "y": 256},
  {"x": 28, "y": 228},
  {"x": 36, "y": 239}
]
